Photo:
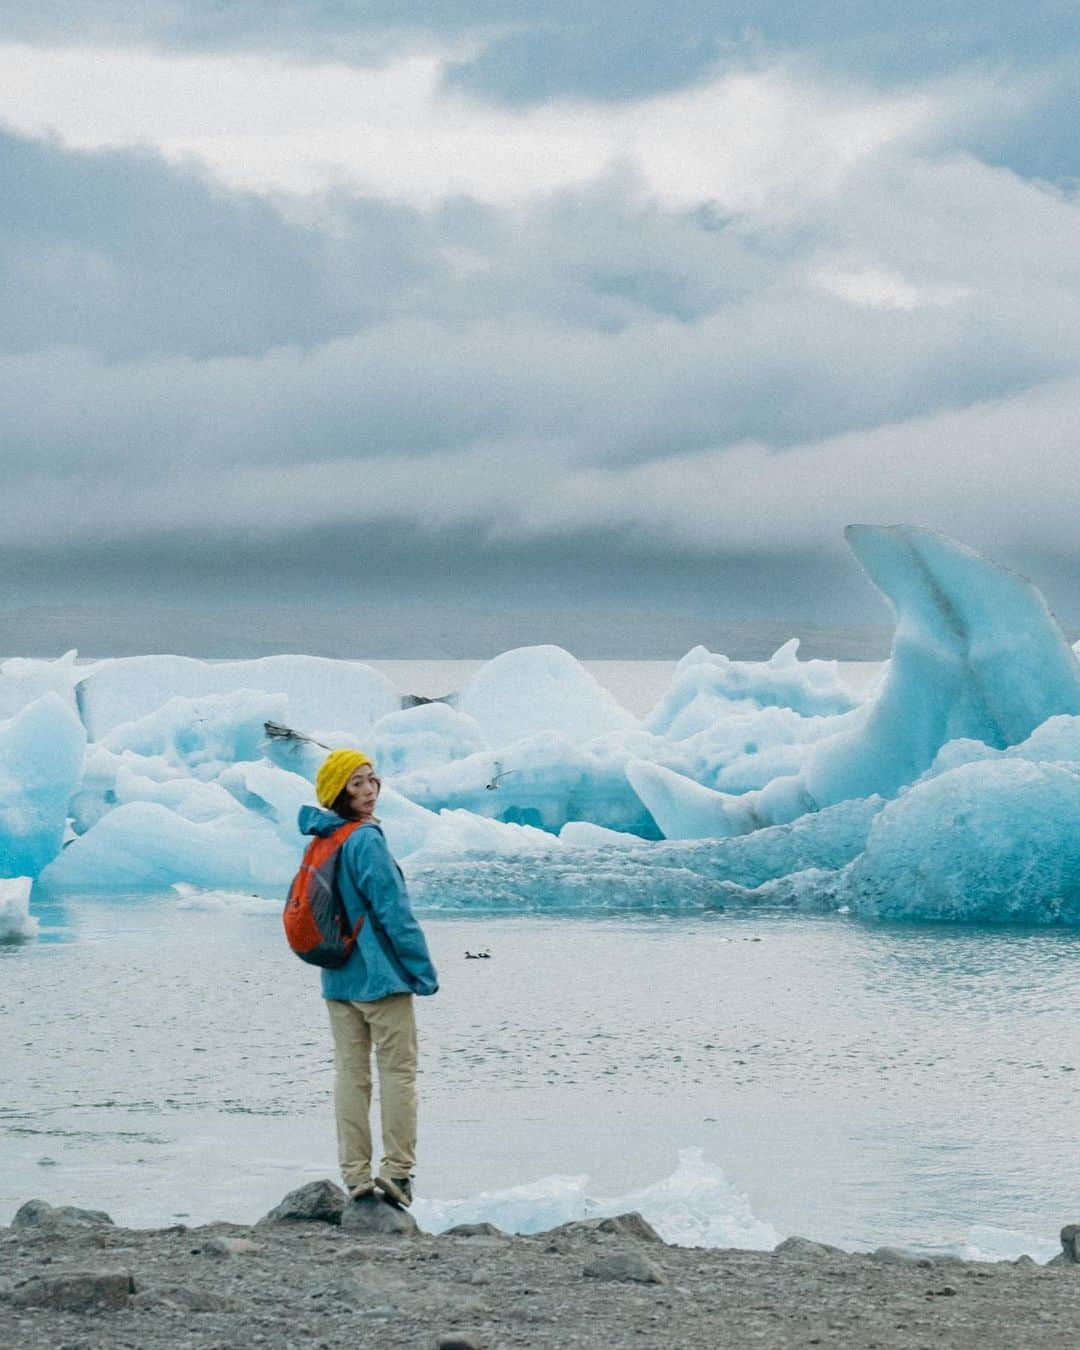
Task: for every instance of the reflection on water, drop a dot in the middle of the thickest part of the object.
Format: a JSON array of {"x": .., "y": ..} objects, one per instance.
[{"x": 861, "y": 1084}]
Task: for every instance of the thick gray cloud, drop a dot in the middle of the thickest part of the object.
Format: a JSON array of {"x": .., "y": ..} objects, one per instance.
[
  {"x": 591, "y": 397},
  {"x": 115, "y": 252}
]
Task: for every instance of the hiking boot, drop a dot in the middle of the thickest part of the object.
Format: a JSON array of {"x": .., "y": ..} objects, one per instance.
[
  {"x": 361, "y": 1189},
  {"x": 398, "y": 1190}
]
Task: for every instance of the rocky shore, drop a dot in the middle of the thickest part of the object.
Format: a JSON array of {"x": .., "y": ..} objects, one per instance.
[{"x": 319, "y": 1271}]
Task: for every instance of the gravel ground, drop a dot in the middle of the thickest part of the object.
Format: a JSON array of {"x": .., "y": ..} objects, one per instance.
[{"x": 80, "y": 1283}]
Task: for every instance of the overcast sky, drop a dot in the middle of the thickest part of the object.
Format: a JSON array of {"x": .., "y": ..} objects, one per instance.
[{"x": 512, "y": 305}]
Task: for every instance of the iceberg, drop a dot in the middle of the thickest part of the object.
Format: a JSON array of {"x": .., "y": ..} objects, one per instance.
[
  {"x": 976, "y": 654},
  {"x": 949, "y": 793},
  {"x": 544, "y": 780},
  {"x": 143, "y": 846},
  {"x": 540, "y": 689},
  {"x": 17, "y": 924},
  {"x": 203, "y": 735},
  {"x": 990, "y": 842},
  {"x": 24, "y": 680},
  {"x": 319, "y": 692},
  {"x": 708, "y": 687},
  {"x": 423, "y": 737},
  {"x": 41, "y": 764},
  {"x": 592, "y": 870}
]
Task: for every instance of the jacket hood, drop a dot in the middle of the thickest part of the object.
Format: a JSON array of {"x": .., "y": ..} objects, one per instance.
[{"x": 317, "y": 820}]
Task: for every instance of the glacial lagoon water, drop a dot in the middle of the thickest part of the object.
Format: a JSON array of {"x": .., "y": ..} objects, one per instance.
[{"x": 167, "y": 1059}]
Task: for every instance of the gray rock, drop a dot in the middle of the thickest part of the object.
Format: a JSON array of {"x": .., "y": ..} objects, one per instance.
[
  {"x": 894, "y": 1256},
  {"x": 457, "y": 1341},
  {"x": 185, "y": 1297},
  {"x": 1070, "y": 1243},
  {"x": 625, "y": 1266},
  {"x": 372, "y": 1215},
  {"x": 219, "y": 1245},
  {"x": 317, "y": 1202},
  {"x": 40, "y": 1214},
  {"x": 474, "y": 1230},
  {"x": 800, "y": 1246},
  {"x": 630, "y": 1225},
  {"x": 76, "y": 1291}
]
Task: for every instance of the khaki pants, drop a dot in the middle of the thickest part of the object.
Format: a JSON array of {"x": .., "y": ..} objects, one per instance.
[{"x": 387, "y": 1024}]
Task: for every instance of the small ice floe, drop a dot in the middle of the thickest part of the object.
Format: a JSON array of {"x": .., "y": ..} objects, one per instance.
[
  {"x": 696, "y": 1206},
  {"x": 484, "y": 954},
  {"x": 17, "y": 924},
  {"x": 239, "y": 902}
]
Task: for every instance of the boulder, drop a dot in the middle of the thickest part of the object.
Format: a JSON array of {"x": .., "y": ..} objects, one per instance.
[
  {"x": 186, "y": 1297},
  {"x": 372, "y": 1215},
  {"x": 40, "y": 1214},
  {"x": 457, "y": 1341},
  {"x": 469, "y": 1230},
  {"x": 317, "y": 1202},
  {"x": 76, "y": 1291},
  {"x": 217, "y": 1244},
  {"x": 630, "y": 1225},
  {"x": 1070, "y": 1244},
  {"x": 800, "y": 1246},
  {"x": 896, "y": 1256},
  {"x": 627, "y": 1266}
]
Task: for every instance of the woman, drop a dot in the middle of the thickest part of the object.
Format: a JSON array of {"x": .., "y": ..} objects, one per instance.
[{"x": 370, "y": 997}]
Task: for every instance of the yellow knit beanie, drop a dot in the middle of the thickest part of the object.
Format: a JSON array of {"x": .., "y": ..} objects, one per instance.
[{"x": 337, "y": 768}]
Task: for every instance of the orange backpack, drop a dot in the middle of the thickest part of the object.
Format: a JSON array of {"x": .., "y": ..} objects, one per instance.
[{"x": 316, "y": 924}]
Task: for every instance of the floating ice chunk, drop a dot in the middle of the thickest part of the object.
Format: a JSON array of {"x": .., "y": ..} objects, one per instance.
[
  {"x": 456, "y": 832},
  {"x": 97, "y": 794},
  {"x": 976, "y": 654},
  {"x": 584, "y": 834},
  {"x": 203, "y": 734},
  {"x": 708, "y": 687},
  {"x": 744, "y": 749},
  {"x": 694, "y": 1207},
  {"x": 536, "y": 689},
  {"x": 530, "y": 1208},
  {"x": 697, "y": 1207},
  {"x": 423, "y": 737},
  {"x": 217, "y": 902},
  {"x": 320, "y": 692},
  {"x": 543, "y": 780},
  {"x": 989, "y": 842},
  {"x": 826, "y": 840},
  {"x": 17, "y": 924},
  {"x": 41, "y": 762},
  {"x": 649, "y": 878},
  {"x": 187, "y": 797},
  {"x": 145, "y": 846},
  {"x": 684, "y": 809},
  {"x": 23, "y": 680},
  {"x": 271, "y": 792}
]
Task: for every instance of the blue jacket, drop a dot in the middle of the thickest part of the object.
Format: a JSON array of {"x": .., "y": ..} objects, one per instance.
[{"x": 391, "y": 956}]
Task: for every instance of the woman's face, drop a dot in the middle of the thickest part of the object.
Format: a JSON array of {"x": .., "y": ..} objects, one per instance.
[{"x": 362, "y": 791}]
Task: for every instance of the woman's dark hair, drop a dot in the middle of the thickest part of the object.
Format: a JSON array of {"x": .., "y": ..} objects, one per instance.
[{"x": 342, "y": 807}]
